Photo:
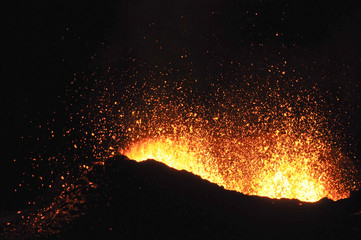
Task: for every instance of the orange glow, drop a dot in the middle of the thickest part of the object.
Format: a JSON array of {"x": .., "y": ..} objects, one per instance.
[
  {"x": 258, "y": 136},
  {"x": 275, "y": 165},
  {"x": 286, "y": 168}
]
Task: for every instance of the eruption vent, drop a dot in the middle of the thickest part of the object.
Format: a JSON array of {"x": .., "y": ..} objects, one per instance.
[
  {"x": 264, "y": 147},
  {"x": 276, "y": 166},
  {"x": 259, "y": 135}
]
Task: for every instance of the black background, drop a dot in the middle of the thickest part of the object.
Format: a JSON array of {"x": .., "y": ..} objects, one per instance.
[{"x": 44, "y": 44}]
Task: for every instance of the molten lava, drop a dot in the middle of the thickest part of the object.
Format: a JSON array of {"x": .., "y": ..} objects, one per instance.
[
  {"x": 261, "y": 136},
  {"x": 281, "y": 167}
]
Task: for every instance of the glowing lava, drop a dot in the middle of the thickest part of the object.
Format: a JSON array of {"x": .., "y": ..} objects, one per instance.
[
  {"x": 286, "y": 157},
  {"x": 256, "y": 136},
  {"x": 286, "y": 169}
]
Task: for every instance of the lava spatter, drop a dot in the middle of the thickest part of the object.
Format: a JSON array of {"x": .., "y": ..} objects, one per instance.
[{"x": 257, "y": 145}]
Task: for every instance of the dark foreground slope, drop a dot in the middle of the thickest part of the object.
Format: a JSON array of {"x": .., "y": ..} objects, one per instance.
[{"x": 149, "y": 200}]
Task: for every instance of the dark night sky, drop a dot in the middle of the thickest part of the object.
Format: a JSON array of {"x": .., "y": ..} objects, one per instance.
[{"x": 45, "y": 43}]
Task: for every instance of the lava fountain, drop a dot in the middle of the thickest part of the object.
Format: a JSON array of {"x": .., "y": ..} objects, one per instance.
[
  {"x": 265, "y": 135},
  {"x": 281, "y": 167},
  {"x": 257, "y": 147}
]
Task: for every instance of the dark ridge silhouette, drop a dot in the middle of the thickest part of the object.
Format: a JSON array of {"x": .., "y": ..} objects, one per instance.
[{"x": 149, "y": 200}]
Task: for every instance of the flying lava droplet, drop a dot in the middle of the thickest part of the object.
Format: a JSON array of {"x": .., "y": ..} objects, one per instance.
[
  {"x": 258, "y": 135},
  {"x": 278, "y": 166}
]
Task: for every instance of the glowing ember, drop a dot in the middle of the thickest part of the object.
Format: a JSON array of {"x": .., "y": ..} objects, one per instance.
[
  {"x": 266, "y": 148},
  {"x": 284, "y": 170}
]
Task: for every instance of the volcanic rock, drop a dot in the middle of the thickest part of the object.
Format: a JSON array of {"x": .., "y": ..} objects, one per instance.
[{"x": 149, "y": 200}]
